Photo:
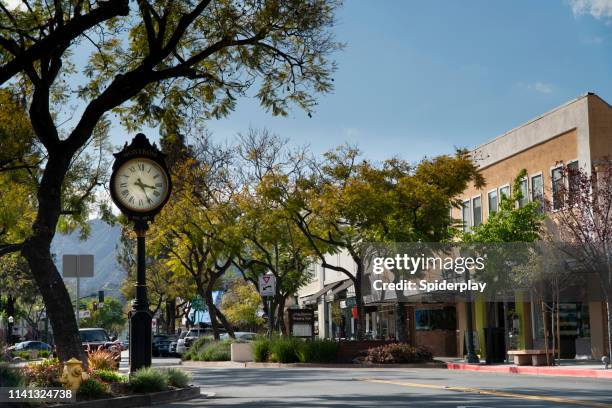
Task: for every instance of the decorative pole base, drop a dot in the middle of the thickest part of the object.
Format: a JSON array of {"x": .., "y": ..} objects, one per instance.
[{"x": 140, "y": 339}]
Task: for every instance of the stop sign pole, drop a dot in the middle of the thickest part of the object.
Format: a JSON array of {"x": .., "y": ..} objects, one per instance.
[{"x": 267, "y": 290}]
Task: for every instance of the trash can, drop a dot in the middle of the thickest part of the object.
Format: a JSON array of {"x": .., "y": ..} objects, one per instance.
[{"x": 495, "y": 345}]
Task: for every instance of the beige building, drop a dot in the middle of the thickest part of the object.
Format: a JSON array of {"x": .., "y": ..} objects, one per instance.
[{"x": 577, "y": 133}]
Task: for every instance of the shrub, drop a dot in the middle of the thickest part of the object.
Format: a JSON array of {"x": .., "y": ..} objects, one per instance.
[
  {"x": 261, "y": 349},
  {"x": 26, "y": 355},
  {"x": 11, "y": 377},
  {"x": 216, "y": 351},
  {"x": 44, "y": 374},
  {"x": 283, "y": 349},
  {"x": 43, "y": 354},
  {"x": 148, "y": 380},
  {"x": 101, "y": 360},
  {"x": 397, "y": 353},
  {"x": 108, "y": 376},
  {"x": 178, "y": 378},
  {"x": 200, "y": 343},
  {"x": 317, "y": 351},
  {"x": 92, "y": 389}
]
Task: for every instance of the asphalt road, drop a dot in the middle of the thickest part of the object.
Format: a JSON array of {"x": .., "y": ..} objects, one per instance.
[{"x": 315, "y": 387}]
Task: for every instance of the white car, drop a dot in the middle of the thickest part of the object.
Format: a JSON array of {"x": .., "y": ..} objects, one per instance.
[{"x": 183, "y": 343}]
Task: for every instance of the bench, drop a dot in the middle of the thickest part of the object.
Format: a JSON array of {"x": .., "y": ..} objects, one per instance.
[{"x": 529, "y": 357}]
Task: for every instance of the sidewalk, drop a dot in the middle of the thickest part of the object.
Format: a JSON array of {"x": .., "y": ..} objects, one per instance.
[
  {"x": 568, "y": 368},
  {"x": 124, "y": 365}
]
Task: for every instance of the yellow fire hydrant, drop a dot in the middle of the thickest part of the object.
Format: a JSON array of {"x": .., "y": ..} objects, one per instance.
[{"x": 73, "y": 374}]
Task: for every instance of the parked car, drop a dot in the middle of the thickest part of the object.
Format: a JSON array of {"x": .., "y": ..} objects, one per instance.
[
  {"x": 31, "y": 346},
  {"x": 173, "y": 344},
  {"x": 244, "y": 336},
  {"x": 182, "y": 345},
  {"x": 161, "y": 344},
  {"x": 95, "y": 338}
]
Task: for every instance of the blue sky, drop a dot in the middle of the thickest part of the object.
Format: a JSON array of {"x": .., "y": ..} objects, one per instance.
[{"x": 418, "y": 78}]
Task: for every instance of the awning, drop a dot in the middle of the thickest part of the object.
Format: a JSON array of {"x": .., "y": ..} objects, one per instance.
[
  {"x": 344, "y": 285},
  {"x": 322, "y": 291}
]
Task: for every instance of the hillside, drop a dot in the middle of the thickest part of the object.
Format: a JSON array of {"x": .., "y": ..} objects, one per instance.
[{"x": 101, "y": 243}]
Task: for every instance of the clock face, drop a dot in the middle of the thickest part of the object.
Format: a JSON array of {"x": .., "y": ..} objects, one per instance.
[{"x": 140, "y": 184}]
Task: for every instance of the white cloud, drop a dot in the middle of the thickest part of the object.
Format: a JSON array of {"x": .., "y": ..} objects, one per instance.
[
  {"x": 541, "y": 87},
  {"x": 600, "y": 9}
]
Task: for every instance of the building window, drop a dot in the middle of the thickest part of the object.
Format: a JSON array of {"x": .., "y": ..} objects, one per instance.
[
  {"x": 504, "y": 192},
  {"x": 466, "y": 216},
  {"x": 492, "y": 202},
  {"x": 477, "y": 207},
  {"x": 524, "y": 189},
  {"x": 537, "y": 189},
  {"x": 557, "y": 187},
  {"x": 573, "y": 180}
]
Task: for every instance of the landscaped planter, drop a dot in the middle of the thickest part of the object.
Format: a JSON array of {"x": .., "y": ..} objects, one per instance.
[
  {"x": 241, "y": 352},
  {"x": 138, "y": 400}
]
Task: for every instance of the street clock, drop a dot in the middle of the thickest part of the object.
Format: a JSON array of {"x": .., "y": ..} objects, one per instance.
[
  {"x": 140, "y": 182},
  {"x": 140, "y": 187}
]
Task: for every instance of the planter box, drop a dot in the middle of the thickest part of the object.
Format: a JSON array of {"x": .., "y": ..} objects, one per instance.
[
  {"x": 241, "y": 352},
  {"x": 138, "y": 400}
]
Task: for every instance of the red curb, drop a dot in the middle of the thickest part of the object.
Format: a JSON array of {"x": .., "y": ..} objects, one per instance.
[{"x": 530, "y": 370}]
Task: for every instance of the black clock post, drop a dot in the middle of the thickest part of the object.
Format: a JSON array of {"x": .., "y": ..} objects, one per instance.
[{"x": 139, "y": 149}]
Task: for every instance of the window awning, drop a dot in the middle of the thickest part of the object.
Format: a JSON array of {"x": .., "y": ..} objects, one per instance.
[
  {"x": 344, "y": 285},
  {"x": 322, "y": 291}
]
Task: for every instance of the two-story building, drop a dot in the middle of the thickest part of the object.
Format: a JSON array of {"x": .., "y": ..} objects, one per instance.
[{"x": 577, "y": 133}]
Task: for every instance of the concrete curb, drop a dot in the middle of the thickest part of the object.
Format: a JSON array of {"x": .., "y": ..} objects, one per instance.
[
  {"x": 250, "y": 364},
  {"x": 139, "y": 400},
  {"x": 530, "y": 370}
]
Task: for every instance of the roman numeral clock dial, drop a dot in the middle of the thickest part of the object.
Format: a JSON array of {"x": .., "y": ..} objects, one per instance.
[{"x": 140, "y": 185}]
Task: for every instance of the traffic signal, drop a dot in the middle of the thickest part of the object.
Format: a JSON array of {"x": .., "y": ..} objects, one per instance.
[
  {"x": 101, "y": 296},
  {"x": 95, "y": 306}
]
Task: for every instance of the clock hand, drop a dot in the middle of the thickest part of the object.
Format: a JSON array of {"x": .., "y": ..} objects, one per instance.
[{"x": 140, "y": 184}]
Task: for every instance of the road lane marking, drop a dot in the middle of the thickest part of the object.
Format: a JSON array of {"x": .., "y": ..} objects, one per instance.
[{"x": 496, "y": 393}]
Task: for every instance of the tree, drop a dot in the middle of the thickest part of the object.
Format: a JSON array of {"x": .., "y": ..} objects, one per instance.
[
  {"x": 195, "y": 232},
  {"x": 241, "y": 304},
  {"x": 344, "y": 203},
  {"x": 271, "y": 242},
  {"x": 109, "y": 316},
  {"x": 21, "y": 296},
  {"x": 156, "y": 62},
  {"x": 582, "y": 224}
]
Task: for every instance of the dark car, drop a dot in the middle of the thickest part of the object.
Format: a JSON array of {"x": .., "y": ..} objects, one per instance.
[
  {"x": 95, "y": 338},
  {"x": 161, "y": 344}
]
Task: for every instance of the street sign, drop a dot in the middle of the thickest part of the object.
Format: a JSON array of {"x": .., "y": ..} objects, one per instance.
[
  {"x": 197, "y": 304},
  {"x": 78, "y": 266},
  {"x": 83, "y": 314},
  {"x": 267, "y": 285},
  {"x": 301, "y": 322}
]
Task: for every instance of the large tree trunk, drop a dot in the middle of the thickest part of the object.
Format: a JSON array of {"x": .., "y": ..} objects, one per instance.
[
  {"x": 37, "y": 252},
  {"x": 228, "y": 327},
  {"x": 170, "y": 316},
  {"x": 280, "y": 315},
  {"x": 210, "y": 305},
  {"x": 400, "y": 322}
]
